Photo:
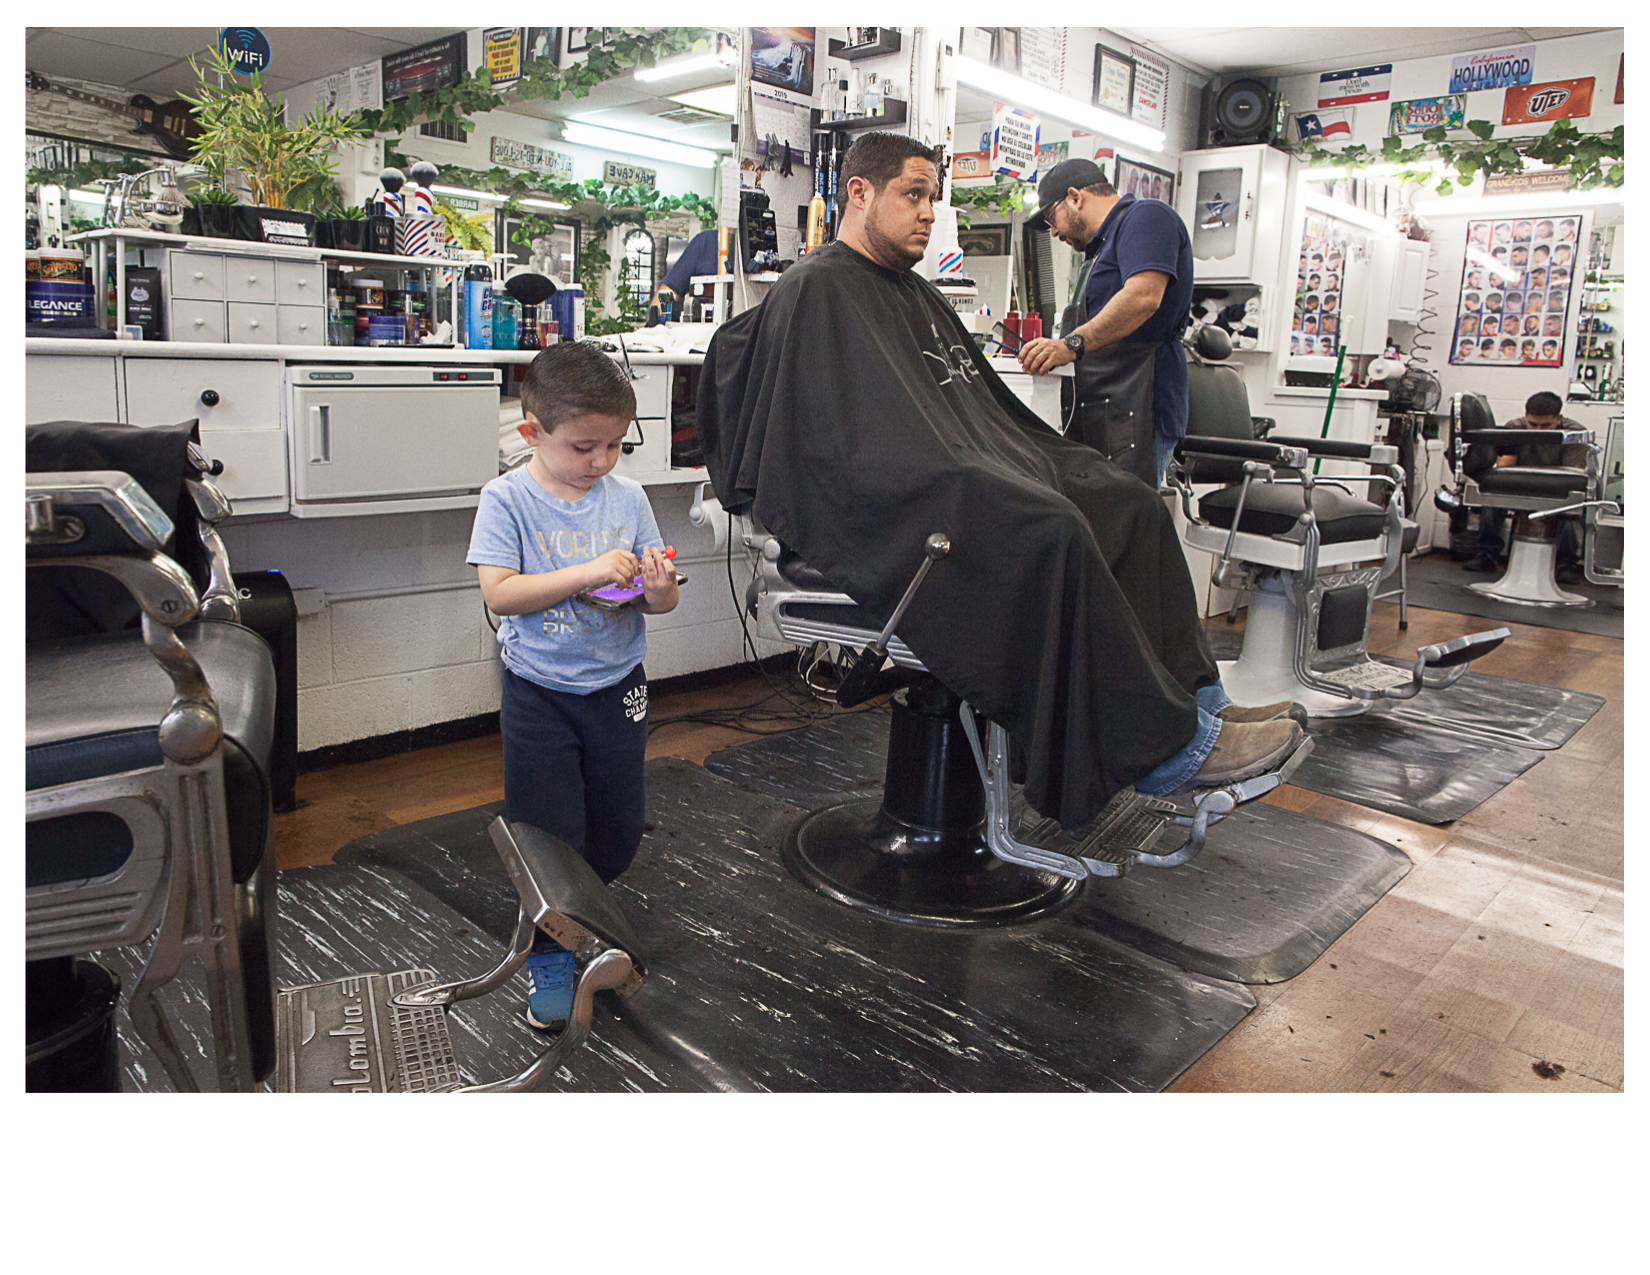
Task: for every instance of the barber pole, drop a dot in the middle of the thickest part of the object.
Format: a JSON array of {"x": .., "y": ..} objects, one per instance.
[
  {"x": 951, "y": 262},
  {"x": 424, "y": 236}
]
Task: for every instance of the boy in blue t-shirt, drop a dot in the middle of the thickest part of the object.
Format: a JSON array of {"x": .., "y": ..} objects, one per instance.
[{"x": 573, "y": 708}]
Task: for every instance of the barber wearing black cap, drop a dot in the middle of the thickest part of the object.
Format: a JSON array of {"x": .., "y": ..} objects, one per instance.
[{"x": 1125, "y": 321}]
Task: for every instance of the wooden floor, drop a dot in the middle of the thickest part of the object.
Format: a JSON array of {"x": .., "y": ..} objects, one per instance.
[{"x": 1495, "y": 965}]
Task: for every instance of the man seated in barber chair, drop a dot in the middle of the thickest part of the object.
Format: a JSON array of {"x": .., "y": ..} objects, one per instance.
[
  {"x": 1541, "y": 411},
  {"x": 851, "y": 414}
]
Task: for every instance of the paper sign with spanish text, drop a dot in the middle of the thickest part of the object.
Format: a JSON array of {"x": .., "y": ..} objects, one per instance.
[
  {"x": 1014, "y": 137},
  {"x": 1555, "y": 100}
]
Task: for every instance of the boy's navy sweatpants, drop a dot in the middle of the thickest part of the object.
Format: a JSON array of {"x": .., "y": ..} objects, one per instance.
[{"x": 573, "y": 765}]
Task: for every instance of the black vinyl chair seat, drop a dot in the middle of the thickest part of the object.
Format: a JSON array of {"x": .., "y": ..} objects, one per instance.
[
  {"x": 1520, "y": 480},
  {"x": 95, "y": 706},
  {"x": 1271, "y": 509},
  {"x": 799, "y": 573}
]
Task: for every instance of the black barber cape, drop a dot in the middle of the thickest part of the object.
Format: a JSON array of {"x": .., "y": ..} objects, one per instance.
[{"x": 853, "y": 415}]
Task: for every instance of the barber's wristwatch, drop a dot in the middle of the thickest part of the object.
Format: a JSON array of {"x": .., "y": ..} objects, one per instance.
[{"x": 1074, "y": 343}]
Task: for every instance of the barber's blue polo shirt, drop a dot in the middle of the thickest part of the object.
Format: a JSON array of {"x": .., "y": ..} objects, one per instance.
[
  {"x": 1150, "y": 237},
  {"x": 699, "y": 257}
]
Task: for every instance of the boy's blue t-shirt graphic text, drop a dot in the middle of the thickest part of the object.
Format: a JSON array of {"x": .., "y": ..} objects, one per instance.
[{"x": 572, "y": 646}]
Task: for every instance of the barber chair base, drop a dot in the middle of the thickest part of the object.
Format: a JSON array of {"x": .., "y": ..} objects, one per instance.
[
  {"x": 849, "y": 853},
  {"x": 1529, "y": 579},
  {"x": 348, "y": 1036},
  {"x": 1265, "y": 672}
]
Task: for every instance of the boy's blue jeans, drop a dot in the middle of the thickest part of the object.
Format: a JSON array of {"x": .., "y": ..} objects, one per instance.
[{"x": 573, "y": 765}]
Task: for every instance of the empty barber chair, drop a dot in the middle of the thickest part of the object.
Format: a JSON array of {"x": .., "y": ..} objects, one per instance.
[
  {"x": 1310, "y": 552},
  {"x": 943, "y": 845},
  {"x": 147, "y": 811},
  {"x": 1536, "y": 495}
]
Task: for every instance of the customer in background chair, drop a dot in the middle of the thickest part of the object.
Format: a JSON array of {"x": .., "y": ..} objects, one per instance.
[{"x": 1541, "y": 411}]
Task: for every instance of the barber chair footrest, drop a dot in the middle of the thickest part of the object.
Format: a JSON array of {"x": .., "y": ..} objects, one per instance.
[
  {"x": 1366, "y": 675},
  {"x": 1130, "y": 825},
  {"x": 349, "y": 1036}
]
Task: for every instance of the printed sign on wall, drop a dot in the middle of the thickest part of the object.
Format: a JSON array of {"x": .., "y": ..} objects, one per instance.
[
  {"x": 507, "y": 150},
  {"x": 1419, "y": 114},
  {"x": 1515, "y": 291},
  {"x": 1557, "y": 100},
  {"x": 1319, "y": 126},
  {"x": 1014, "y": 135},
  {"x": 501, "y": 54},
  {"x": 1474, "y": 72},
  {"x": 629, "y": 175},
  {"x": 969, "y": 164},
  {"x": 1361, "y": 84},
  {"x": 1151, "y": 88}
]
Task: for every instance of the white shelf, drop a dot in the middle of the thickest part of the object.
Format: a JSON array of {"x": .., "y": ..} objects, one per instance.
[
  {"x": 290, "y": 252},
  {"x": 428, "y": 354}
]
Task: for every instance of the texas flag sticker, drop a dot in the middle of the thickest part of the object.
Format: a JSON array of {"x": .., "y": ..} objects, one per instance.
[{"x": 1362, "y": 84}]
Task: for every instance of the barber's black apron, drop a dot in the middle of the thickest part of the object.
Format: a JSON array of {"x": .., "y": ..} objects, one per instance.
[{"x": 1114, "y": 413}]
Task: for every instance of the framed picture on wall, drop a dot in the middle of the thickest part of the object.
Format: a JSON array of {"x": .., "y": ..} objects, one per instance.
[
  {"x": 544, "y": 43},
  {"x": 983, "y": 241},
  {"x": 435, "y": 65},
  {"x": 1143, "y": 181},
  {"x": 1005, "y": 49},
  {"x": 578, "y": 39},
  {"x": 1113, "y": 80}
]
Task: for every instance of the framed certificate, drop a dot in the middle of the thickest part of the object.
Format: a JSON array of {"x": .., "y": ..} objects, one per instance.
[{"x": 1113, "y": 80}]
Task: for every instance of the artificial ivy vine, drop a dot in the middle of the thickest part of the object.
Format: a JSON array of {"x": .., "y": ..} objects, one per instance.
[
  {"x": 1004, "y": 197},
  {"x": 1594, "y": 159},
  {"x": 626, "y": 49}
]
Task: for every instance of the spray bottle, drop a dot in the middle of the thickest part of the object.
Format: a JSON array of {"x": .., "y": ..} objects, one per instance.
[{"x": 478, "y": 307}]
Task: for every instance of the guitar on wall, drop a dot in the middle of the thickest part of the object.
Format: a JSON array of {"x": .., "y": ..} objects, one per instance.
[{"x": 173, "y": 124}]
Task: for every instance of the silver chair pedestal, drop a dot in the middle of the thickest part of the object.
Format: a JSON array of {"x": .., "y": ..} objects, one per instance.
[
  {"x": 1529, "y": 580},
  {"x": 1265, "y": 671}
]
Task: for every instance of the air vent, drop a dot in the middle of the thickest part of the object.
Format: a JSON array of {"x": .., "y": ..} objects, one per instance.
[
  {"x": 443, "y": 130},
  {"x": 689, "y": 115}
]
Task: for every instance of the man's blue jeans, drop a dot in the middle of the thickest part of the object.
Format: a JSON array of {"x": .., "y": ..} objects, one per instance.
[
  {"x": 1179, "y": 769},
  {"x": 1492, "y": 541}
]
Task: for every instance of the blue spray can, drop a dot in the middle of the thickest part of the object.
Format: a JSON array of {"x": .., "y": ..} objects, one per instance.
[{"x": 478, "y": 308}]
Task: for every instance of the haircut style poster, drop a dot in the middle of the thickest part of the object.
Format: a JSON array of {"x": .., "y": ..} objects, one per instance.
[
  {"x": 1515, "y": 291},
  {"x": 1326, "y": 247}
]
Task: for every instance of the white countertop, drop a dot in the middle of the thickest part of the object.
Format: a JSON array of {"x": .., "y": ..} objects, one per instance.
[
  {"x": 1313, "y": 391},
  {"x": 422, "y": 354}
]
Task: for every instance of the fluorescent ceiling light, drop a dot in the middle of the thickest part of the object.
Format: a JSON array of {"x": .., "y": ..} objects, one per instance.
[
  {"x": 720, "y": 98},
  {"x": 1045, "y": 101},
  {"x": 637, "y": 144},
  {"x": 1481, "y": 258},
  {"x": 467, "y": 193},
  {"x": 1346, "y": 212},
  {"x": 1439, "y": 205},
  {"x": 680, "y": 66},
  {"x": 542, "y": 203}
]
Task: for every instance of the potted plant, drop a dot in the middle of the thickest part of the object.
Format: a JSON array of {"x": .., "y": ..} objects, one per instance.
[
  {"x": 242, "y": 127},
  {"x": 349, "y": 228},
  {"x": 214, "y": 210}
]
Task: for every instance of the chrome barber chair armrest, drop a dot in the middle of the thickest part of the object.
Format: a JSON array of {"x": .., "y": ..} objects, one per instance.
[
  {"x": 105, "y": 521},
  {"x": 221, "y": 600}
]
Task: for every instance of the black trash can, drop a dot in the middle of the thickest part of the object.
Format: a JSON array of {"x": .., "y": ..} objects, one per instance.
[{"x": 70, "y": 1008}]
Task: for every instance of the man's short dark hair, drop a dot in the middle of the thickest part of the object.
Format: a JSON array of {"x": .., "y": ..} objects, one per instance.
[
  {"x": 1546, "y": 403},
  {"x": 572, "y": 379},
  {"x": 880, "y": 157}
]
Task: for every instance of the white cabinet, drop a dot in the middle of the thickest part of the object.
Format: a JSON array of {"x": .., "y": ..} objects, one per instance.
[
  {"x": 1234, "y": 202},
  {"x": 244, "y": 300},
  {"x": 69, "y": 388},
  {"x": 649, "y": 436},
  {"x": 220, "y": 393},
  {"x": 1409, "y": 281}
]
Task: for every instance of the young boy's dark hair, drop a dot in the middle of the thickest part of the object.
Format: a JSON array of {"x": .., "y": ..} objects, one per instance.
[{"x": 571, "y": 379}]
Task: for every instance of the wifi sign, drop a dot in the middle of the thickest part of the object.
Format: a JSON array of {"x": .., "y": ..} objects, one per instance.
[{"x": 245, "y": 49}]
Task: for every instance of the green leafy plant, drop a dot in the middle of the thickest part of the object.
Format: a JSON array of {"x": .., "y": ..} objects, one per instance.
[
  {"x": 212, "y": 195},
  {"x": 1004, "y": 197},
  {"x": 467, "y": 230},
  {"x": 244, "y": 128},
  {"x": 349, "y": 212},
  {"x": 85, "y": 176},
  {"x": 1594, "y": 159}
]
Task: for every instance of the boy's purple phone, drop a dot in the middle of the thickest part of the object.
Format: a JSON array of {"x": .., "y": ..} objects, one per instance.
[{"x": 613, "y": 596}]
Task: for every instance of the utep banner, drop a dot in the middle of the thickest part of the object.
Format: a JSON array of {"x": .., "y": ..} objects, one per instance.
[
  {"x": 1557, "y": 100},
  {"x": 1362, "y": 84},
  {"x": 1478, "y": 71}
]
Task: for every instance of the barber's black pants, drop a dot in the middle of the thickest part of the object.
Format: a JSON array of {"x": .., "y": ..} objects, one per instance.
[{"x": 573, "y": 765}]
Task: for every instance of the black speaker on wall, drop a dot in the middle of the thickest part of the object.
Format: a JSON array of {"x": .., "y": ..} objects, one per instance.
[{"x": 1238, "y": 112}]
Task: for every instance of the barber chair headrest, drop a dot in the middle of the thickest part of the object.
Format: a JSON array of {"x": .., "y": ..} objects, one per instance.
[
  {"x": 1212, "y": 342},
  {"x": 1475, "y": 413}
]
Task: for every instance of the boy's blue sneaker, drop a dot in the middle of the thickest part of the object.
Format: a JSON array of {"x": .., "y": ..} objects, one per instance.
[{"x": 550, "y": 1003}]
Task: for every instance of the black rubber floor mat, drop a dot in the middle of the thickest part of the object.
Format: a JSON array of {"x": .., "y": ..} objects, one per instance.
[
  {"x": 756, "y": 982},
  {"x": 1437, "y": 583},
  {"x": 338, "y": 920},
  {"x": 1269, "y": 893}
]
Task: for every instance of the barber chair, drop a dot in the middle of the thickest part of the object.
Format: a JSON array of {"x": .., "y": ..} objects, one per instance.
[
  {"x": 1310, "y": 551},
  {"x": 147, "y": 814},
  {"x": 943, "y": 845},
  {"x": 1536, "y": 495}
]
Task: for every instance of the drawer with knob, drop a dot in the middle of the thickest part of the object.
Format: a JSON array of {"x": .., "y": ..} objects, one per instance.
[
  {"x": 252, "y": 324},
  {"x": 249, "y": 279},
  {"x": 235, "y": 394},
  {"x": 196, "y": 276}
]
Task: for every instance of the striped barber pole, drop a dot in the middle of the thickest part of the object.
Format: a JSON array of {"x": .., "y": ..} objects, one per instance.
[
  {"x": 951, "y": 262},
  {"x": 420, "y": 236}
]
